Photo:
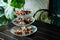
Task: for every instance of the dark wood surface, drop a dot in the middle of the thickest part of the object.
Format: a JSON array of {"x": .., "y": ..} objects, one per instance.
[{"x": 45, "y": 32}]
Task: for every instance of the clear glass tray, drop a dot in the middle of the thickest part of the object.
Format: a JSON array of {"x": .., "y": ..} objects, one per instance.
[
  {"x": 34, "y": 29},
  {"x": 17, "y": 24}
]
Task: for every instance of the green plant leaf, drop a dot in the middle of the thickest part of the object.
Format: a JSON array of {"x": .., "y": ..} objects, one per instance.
[
  {"x": 9, "y": 13},
  {"x": 1, "y": 11},
  {"x": 1, "y": 14},
  {"x": 3, "y": 21},
  {"x": 17, "y": 3},
  {"x": 5, "y": 1}
]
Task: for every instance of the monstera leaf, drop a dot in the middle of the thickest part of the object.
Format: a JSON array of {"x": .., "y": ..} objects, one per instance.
[
  {"x": 9, "y": 13},
  {"x": 1, "y": 14},
  {"x": 3, "y": 21},
  {"x": 7, "y": 17},
  {"x": 1, "y": 11}
]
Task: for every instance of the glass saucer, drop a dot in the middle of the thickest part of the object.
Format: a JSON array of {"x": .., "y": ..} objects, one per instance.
[
  {"x": 34, "y": 29},
  {"x": 24, "y": 23}
]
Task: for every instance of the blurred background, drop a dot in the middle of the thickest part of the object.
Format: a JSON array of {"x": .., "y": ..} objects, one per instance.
[{"x": 52, "y": 5}]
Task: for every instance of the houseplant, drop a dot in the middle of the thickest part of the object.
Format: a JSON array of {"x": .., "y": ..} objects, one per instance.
[{"x": 8, "y": 17}]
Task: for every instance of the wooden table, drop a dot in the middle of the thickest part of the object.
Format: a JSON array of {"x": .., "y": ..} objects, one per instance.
[{"x": 45, "y": 32}]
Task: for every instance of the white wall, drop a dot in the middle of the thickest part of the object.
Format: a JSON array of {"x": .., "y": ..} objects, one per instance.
[{"x": 35, "y": 5}]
